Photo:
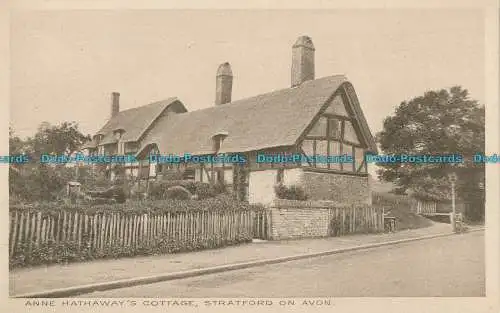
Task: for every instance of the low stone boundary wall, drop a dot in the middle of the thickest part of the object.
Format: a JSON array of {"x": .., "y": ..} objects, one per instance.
[{"x": 310, "y": 219}]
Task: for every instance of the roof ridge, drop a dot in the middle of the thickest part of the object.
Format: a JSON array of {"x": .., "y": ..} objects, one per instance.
[
  {"x": 169, "y": 99},
  {"x": 276, "y": 118},
  {"x": 152, "y": 110},
  {"x": 277, "y": 91}
]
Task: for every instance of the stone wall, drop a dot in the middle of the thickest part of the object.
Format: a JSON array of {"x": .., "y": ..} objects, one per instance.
[
  {"x": 292, "y": 219},
  {"x": 299, "y": 219},
  {"x": 342, "y": 189},
  {"x": 348, "y": 189}
]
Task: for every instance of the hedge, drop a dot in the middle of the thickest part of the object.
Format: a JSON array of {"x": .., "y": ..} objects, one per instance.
[
  {"x": 69, "y": 251},
  {"x": 220, "y": 203}
]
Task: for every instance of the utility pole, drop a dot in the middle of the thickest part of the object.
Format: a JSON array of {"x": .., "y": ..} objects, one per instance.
[{"x": 453, "y": 179}]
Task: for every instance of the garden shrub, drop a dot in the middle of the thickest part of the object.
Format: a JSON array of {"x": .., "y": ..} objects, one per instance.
[
  {"x": 69, "y": 251},
  {"x": 292, "y": 192},
  {"x": 157, "y": 190},
  {"x": 204, "y": 190},
  {"x": 178, "y": 193},
  {"x": 222, "y": 202},
  {"x": 220, "y": 187},
  {"x": 170, "y": 175}
]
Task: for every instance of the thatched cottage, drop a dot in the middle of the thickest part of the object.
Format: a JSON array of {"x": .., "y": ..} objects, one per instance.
[{"x": 312, "y": 117}]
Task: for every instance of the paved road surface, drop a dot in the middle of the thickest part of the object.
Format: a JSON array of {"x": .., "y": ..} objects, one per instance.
[{"x": 447, "y": 267}]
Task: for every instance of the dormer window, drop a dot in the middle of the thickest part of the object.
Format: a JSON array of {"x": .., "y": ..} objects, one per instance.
[
  {"x": 218, "y": 139},
  {"x": 98, "y": 138},
  {"x": 118, "y": 133}
]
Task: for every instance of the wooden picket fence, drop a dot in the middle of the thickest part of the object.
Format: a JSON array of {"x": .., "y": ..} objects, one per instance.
[
  {"x": 262, "y": 225},
  {"x": 96, "y": 231},
  {"x": 350, "y": 220},
  {"x": 426, "y": 207}
]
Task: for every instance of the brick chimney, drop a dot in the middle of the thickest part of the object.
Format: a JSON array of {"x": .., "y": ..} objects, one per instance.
[
  {"x": 224, "y": 84},
  {"x": 115, "y": 104},
  {"x": 302, "y": 60}
]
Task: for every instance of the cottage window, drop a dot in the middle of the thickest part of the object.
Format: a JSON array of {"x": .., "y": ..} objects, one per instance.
[
  {"x": 130, "y": 147},
  {"x": 121, "y": 148},
  {"x": 98, "y": 138},
  {"x": 189, "y": 174},
  {"x": 152, "y": 170},
  {"x": 217, "y": 143},
  {"x": 228, "y": 176},
  {"x": 348, "y": 150},
  {"x": 118, "y": 134},
  {"x": 218, "y": 139},
  {"x": 144, "y": 169},
  {"x": 335, "y": 151},
  {"x": 334, "y": 128},
  {"x": 198, "y": 175},
  {"x": 321, "y": 153}
]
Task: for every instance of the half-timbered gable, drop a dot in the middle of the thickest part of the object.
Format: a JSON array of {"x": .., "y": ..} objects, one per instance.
[{"x": 335, "y": 133}]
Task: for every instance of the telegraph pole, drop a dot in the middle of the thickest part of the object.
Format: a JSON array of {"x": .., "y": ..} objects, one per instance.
[{"x": 453, "y": 179}]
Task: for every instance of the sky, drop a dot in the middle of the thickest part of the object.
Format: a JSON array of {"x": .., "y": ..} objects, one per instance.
[{"x": 65, "y": 64}]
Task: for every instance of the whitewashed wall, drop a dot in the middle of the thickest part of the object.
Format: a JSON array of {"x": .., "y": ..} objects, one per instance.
[
  {"x": 261, "y": 186},
  {"x": 228, "y": 176},
  {"x": 292, "y": 176}
]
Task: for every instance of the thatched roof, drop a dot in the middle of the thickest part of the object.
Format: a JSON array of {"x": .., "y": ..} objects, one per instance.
[
  {"x": 133, "y": 122},
  {"x": 274, "y": 119}
]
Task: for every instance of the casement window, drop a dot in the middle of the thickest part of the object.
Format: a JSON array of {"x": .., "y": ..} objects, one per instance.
[
  {"x": 334, "y": 128},
  {"x": 218, "y": 139},
  {"x": 334, "y": 150},
  {"x": 189, "y": 174},
  {"x": 321, "y": 153},
  {"x": 154, "y": 167}
]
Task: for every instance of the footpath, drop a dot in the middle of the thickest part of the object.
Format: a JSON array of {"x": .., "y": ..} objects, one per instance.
[{"x": 44, "y": 278}]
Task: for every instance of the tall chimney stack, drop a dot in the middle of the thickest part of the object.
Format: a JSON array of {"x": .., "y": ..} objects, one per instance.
[
  {"x": 224, "y": 84},
  {"x": 302, "y": 60},
  {"x": 115, "y": 104}
]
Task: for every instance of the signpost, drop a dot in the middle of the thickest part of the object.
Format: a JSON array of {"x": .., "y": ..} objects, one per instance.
[{"x": 453, "y": 180}]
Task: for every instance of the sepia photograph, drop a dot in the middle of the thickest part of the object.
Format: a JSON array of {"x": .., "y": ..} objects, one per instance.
[{"x": 234, "y": 158}]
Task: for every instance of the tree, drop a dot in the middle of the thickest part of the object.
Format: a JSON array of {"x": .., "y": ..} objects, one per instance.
[
  {"x": 15, "y": 143},
  {"x": 65, "y": 138},
  {"x": 443, "y": 122},
  {"x": 36, "y": 181}
]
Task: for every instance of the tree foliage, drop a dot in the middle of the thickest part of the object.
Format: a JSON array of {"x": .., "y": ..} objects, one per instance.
[
  {"x": 36, "y": 181},
  {"x": 442, "y": 122},
  {"x": 64, "y": 138}
]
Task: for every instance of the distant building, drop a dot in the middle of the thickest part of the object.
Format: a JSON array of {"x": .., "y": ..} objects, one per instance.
[{"x": 312, "y": 117}]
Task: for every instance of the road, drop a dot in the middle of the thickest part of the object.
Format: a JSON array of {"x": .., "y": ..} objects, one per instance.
[{"x": 441, "y": 267}]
